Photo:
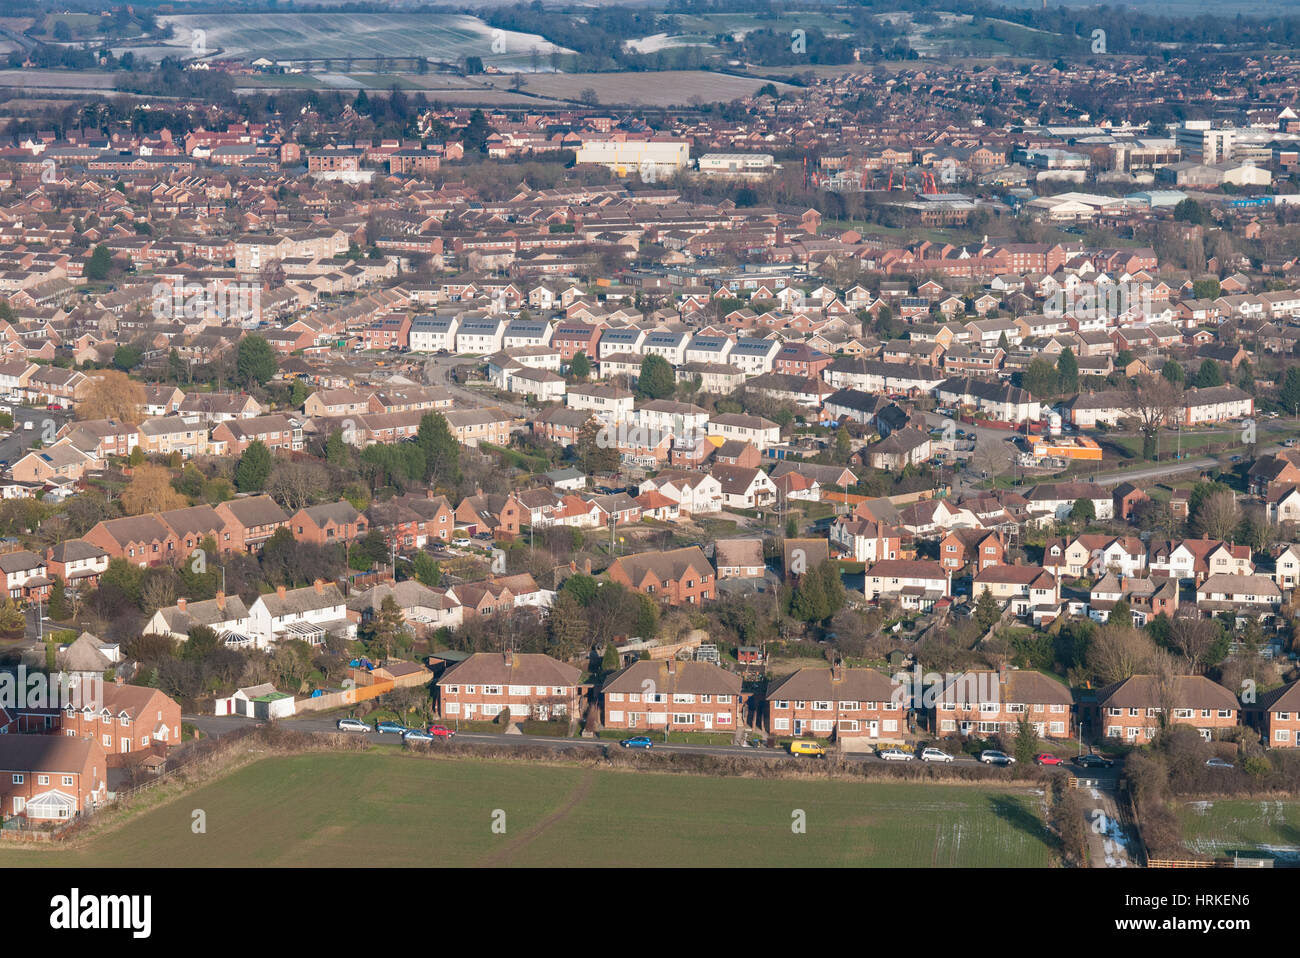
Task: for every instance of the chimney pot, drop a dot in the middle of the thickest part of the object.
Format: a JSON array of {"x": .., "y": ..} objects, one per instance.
[
  {"x": 319, "y": 585},
  {"x": 279, "y": 591},
  {"x": 180, "y": 604},
  {"x": 672, "y": 666},
  {"x": 221, "y": 601}
]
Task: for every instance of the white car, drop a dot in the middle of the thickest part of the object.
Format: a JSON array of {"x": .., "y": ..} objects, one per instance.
[
  {"x": 461, "y": 542},
  {"x": 935, "y": 755},
  {"x": 895, "y": 755}
]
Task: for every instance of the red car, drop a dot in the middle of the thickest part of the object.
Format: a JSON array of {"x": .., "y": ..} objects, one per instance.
[
  {"x": 1047, "y": 758},
  {"x": 441, "y": 731}
]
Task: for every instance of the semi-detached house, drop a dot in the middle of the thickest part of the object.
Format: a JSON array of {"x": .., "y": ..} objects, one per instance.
[
  {"x": 836, "y": 702},
  {"x": 668, "y": 695}
]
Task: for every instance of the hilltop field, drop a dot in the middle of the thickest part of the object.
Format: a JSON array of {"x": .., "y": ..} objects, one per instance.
[{"x": 377, "y": 808}]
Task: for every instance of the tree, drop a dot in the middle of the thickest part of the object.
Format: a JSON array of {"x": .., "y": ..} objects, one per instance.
[
  {"x": 656, "y": 380},
  {"x": 1217, "y": 515},
  {"x": 609, "y": 662},
  {"x": 426, "y": 570},
  {"x": 255, "y": 362},
  {"x": 111, "y": 394},
  {"x": 1154, "y": 401},
  {"x": 580, "y": 366},
  {"x": 58, "y": 600},
  {"x": 1289, "y": 396},
  {"x": 1040, "y": 378},
  {"x": 1209, "y": 375},
  {"x": 1083, "y": 510},
  {"x": 296, "y": 483},
  {"x": 1118, "y": 651},
  {"x": 150, "y": 490},
  {"x": 441, "y": 450},
  {"x": 1173, "y": 371},
  {"x": 254, "y": 467},
  {"x": 1189, "y": 211},
  {"x": 126, "y": 357},
  {"x": 596, "y": 453},
  {"x": 1026, "y": 740},
  {"x": 99, "y": 265},
  {"x": 987, "y": 610},
  {"x": 566, "y": 627},
  {"x": 1067, "y": 372},
  {"x": 1202, "y": 642},
  {"x": 1122, "y": 614},
  {"x": 382, "y": 633}
]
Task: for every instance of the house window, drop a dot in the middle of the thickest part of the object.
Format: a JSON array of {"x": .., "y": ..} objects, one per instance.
[
  {"x": 67, "y": 779},
  {"x": 18, "y": 779}
]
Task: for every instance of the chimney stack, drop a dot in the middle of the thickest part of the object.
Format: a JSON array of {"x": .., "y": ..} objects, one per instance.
[
  {"x": 672, "y": 665},
  {"x": 279, "y": 591},
  {"x": 319, "y": 586},
  {"x": 510, "y": 658},
  {"x": 586, "y": 566},
  {"x": 180, "y": 604},
  {"x": 221, "y": 601}
]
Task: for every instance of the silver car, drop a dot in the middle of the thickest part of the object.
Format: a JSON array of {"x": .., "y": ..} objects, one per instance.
[
  {"x": 352, "y": 725},
  {"x": 935, "y": 755}
]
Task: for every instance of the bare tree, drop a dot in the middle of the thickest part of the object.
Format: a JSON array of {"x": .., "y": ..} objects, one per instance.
[
  {"x": 1194, "y": 638},
  {"x": 1120, "y": 651},
  {"x": 1218, "y": 515},
  {"x": 1154, "y": 401},
  {"x": 295, "y": 483}
]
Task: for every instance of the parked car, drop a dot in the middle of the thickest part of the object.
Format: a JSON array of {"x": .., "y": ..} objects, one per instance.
[
  {"x": 1047, "y": 758},
  {"x": 895, "y": 755},
  {"x": 487, "y": 536},
  {"x": 1235, "y": 459},
  {"x": 640, "y": 741},
  {"x": 393, "y": 727},
  {"x": 352, "y": 725},
  {"x": 416, "y": 735},
  {"x": 1094, "y": 761},
  {"x": 54, "y": 405},
  {"x": 935, "y": 755},
  {"x": 1218, "y": 763},
  {"x": 807, "y": 748},
  {"x": 441, "y": 731},
  {"x": 991, "y": 756},
  {"x": 460, "y": 542},
  {"x": 1289, "y": 442}
]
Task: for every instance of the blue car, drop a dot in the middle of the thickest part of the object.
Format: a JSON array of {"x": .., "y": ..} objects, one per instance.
[
  {"x": 416, "y": 735},
  {"x": 639, "y": 742},
  {"x": 383, "y": 727}
]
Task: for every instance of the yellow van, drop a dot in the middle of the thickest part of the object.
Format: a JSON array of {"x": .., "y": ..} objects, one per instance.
[{"x": 807, "y": 748}]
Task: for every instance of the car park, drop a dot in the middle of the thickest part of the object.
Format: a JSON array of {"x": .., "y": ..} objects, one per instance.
[
  {"x": 390, "y": 728},
  {"x": 991, "y": 756},
  {"x": 1094, "y": 761},
  {"x": 895, "y": 755},
  {"x": 935, "y": 755},
  {"x": 1047, "y": 758},
  {"x": 352, "y": 725},
  {"x": 639, "y": 741}
]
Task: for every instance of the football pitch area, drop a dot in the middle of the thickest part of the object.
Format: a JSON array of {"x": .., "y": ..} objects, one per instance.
[{"x": 380, "y": 809}]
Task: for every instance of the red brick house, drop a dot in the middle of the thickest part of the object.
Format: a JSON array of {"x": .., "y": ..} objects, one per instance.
[
  {"x": 836, "y": 702},
  {"x": 988, "y": 703},
  {"x": 131, "y": 719},
  {"x": 329, "y": 522},
  {"x": 654, "y": 695},
  {"x": 677, "y": 577},
  {"x": 141, "y": 540},
  {"x": 1131, "y": 710},
  {"x": 531, "y": 685},
  {"x": 1277, "y": 717},
  {"x": 979, "y": 546},
  {"x": 412, "y": 522},
  {"x": 249, "y": 522},
  {"x": 49, "y": 778}
]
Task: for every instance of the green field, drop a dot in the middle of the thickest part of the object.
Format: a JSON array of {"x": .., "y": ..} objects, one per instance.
[
  {"x": 1243, "y": 825},
  {"x": 377, "y": 808}
]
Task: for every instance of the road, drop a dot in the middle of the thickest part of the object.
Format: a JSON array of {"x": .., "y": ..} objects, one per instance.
[
  {"x": 437, "y": 372},
  {"x": 217, "y": 726}
]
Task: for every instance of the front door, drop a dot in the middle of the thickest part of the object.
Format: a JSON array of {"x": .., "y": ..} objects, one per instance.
[
  {"x": 873, "y": 729},
  {"x": 707, "y": 719},
  {"x": 798, "y": 726}
]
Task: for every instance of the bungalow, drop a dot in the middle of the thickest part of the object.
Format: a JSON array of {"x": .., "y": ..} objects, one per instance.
[{"x": 739, "y": 558}]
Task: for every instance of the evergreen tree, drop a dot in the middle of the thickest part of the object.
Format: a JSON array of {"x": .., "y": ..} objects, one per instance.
[
  {"x": 255, "y": 361},
  {"x": 1173, "y": 371},
  {"x": 1040, "y": 378},
  {"x": 1067, "y": 372},
  {"x": 254, "y": 467},
  {"x": 580, "y": 366},
  {"x": 426, "y": 569},
  {"x": 987, "y": 610},
  {"x": 1209, "y": 375},
  {"x": 1289, "y": 397},
  {"x": 656, "y": 380},
  {"x": 441, "y": 450},
  {"x": 99, "y": 265},
  {"x": 58, "y": 601}
]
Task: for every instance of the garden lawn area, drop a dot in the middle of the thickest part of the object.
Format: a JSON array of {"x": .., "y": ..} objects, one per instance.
[
  {"x": 380, "y": 808},
  {"x": 1250, "y": 826}
]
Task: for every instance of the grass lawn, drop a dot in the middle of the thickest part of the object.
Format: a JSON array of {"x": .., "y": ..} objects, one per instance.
[
  {"x": 384, "y": 809},
  {"x": 1243, "y": 825}
]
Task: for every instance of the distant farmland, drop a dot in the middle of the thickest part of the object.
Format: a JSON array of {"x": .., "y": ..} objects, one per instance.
[
  {"x": 1251, "y": 827},
  {"x": 446, "y": 37},
  {"x": 379, "y": 808}
]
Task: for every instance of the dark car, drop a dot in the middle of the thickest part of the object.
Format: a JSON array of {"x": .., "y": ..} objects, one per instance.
[{"x": 1094, "y": 761}]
